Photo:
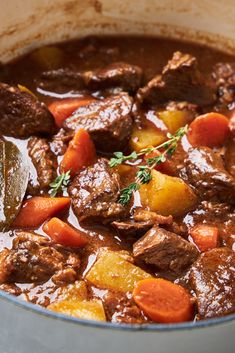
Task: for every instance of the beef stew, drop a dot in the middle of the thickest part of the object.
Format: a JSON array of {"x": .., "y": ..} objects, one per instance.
[{"x": 124, "y": 206}]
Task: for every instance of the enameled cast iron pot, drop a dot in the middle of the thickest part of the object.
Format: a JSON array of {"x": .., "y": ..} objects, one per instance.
[{"x": 26, "y": 24}]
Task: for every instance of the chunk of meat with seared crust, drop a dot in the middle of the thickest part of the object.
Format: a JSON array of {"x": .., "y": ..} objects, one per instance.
[
  {"x": 180, "y": 81},
  {"x": 119, "y": 308},
  {"x": 22, "y": 114},
  {"x": 60, "y": 141},
  {"x": 212, "y": 277},
  {"x": 130, "y": 227},
  {"x": 167, "y": 251},
  {"x": 108, "y": 121},
  {"x": 33, "y": 259},
  {"x": 206, "y": 172},
  {"x": 224, "y": 77},
  {"x": 119, "y": 74},
  {"x": 142, "y": 221},
  {"x": 95, "y": 192},
  {"x": 43, "y": 160},
  {"x": 61, "y": 80}
]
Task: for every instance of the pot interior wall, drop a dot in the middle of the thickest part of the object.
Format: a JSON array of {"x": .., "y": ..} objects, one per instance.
[{"x": 38, "y": 22}]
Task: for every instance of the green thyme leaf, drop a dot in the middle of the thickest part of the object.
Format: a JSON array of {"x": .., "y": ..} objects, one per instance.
[
  {"x": 143, "y": 175},
  {"x": 60, "y": 183}
]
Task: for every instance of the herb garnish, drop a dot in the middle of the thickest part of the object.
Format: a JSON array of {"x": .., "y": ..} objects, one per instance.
[
  {"x": 60, "y": 182},
  {"x": 143, "y": 175}
]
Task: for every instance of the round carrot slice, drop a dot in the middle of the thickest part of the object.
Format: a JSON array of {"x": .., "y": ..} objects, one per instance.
[
  {"x": 163, "y": 301},
  {"x": 211, "y": 130}
]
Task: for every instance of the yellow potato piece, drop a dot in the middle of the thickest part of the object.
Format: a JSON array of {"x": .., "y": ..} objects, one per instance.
[
  {"x": 167, "y": 195},
  {"x": 75, "y": 291},
  {"x": 173, "y": 119},
  {"x": 112, "y": 271},
  {"x": 90, "y": 310},
  {"x": 49, "y": 57},
  {"x": 148, "y": 136}
]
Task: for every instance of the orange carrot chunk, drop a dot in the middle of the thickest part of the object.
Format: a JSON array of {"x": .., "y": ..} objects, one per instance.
[
  {"x": 211, "y": 130},
  {"x": 80, "y": 153},
  {"x": 38, "y": 209},
  {"x": 204, "y": 237},
  {"x": 62, "y": 109},
  {"x": 163, "y": 301},
  {"x": 61, "y": 233}
]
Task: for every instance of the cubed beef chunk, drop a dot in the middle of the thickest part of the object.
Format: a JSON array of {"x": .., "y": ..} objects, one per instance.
[
  {"x": 230, "y": 155},
  {"x": 43, "y": 160},
  {"x": 224, "y": 76},
  {"x": 60, "y": 141},
  {"x": 142, "y": 221},
  {"x": 119, "y": 74},
  {"x": 108, "y": 121},
  {"x": 33, "y": 259},
  {"x": 180, "y": 81},
  {"x": 130, "y": 227},
  {"x": 205, "y": 171},
  {"x": 120, "y": 308},
  {"x": 127, "y": 77},
  {"x": 167, "y": 251},
  {"x": 61, "y": 80},
  {"x": 95, "y": 191},
  {"x": 212, "y": 277},
  {"x": 22, "y": 114}
]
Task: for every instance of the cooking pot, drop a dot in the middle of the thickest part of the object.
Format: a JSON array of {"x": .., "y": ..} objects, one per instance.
[{"x": 24, "y": 25}]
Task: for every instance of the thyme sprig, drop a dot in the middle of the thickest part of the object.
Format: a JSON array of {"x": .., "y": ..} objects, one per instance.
[
  {"x": 60, "y": 183},
  {"x": 144, "y": 175}
]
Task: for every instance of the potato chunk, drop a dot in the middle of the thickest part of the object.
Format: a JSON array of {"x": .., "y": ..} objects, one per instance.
[
  {"x": 145, "y": 137},
  {"x": 74, "y": 291},
  {"x": 167, "y": 195},
  {"x": 174, "y": 119},
  {"x": 112, "y": 271},
  {"x": 90, "y": 310}
]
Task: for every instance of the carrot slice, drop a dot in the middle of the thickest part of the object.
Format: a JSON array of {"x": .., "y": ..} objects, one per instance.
[
  {"x": 165, "y": 167},
  {"x": 80, "y": 153},
  {"x": 163, "y": 301},
  {"x": 62, "y": 233},
  {"x": 38, "y": 209},
  {"x": 211, "y": 130},
  {"x": 204, "y": 237},
  {"x": 62, "y": 109}
]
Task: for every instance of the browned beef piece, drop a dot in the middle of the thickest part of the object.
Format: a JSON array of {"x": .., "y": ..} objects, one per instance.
[
  {"x": 119, "y": 308},
  {"x": 167, "y": 251},
  {"x": 127, "y": 77},
  {"x": 131, "y": 227},
  {"x": 119, "y": 74},
  {"x": 205, "y": 171},
  {"x": 108, "y": 121},
  {"x": 43, "y": 160},
  {"x": 60, "y": 142},
  {"x": 142, "y": 221},
  {"x": 61, "y": 80},
  {"x": 180, "y": 81},
  {"x": 230, "y": 154},
  {"x": 141, "y": 215},
  {"x": 212, "y": 277},
  {"x": 22, "y": 115},
  {"x": 224, "y": 76},
  {"x": 33, "y": 259},
  {"x": 95, "y": 191}
]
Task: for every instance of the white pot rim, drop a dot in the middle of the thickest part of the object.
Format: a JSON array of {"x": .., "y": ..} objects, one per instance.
[{"x": 38, "y": 310}]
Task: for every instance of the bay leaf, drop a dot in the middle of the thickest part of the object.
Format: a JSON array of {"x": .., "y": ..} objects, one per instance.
[{"x": 14, "y": 175}]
